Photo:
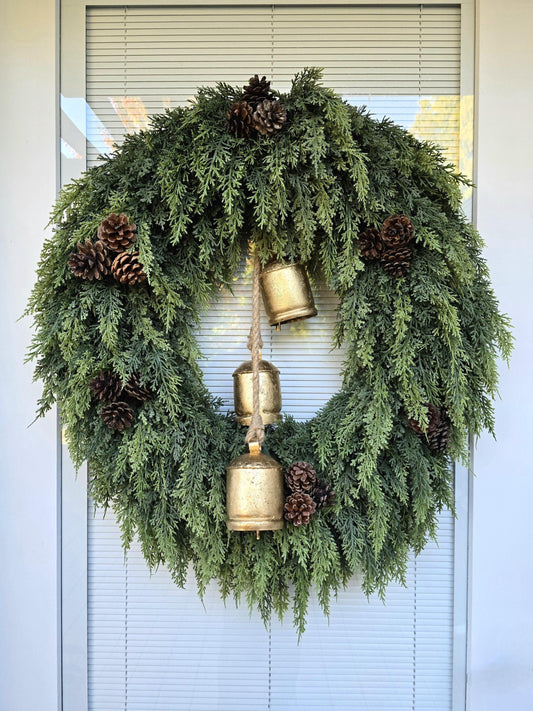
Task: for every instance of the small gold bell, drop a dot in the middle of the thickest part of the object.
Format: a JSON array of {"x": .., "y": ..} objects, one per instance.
[
  {"x": 287, "y": 295},
  {"x": 269, "y": 393},
  {"x": 254, "y": 492}
]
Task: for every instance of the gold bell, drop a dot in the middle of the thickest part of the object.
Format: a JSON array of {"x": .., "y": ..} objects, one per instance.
[
  {"x": 269, "y": 393},
  {"x": 254, "y": 492},
  {"x": 287, "y": 295}
]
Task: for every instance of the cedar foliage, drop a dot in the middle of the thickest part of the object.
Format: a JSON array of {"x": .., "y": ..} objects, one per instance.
[{"x": 198, "y": 194}]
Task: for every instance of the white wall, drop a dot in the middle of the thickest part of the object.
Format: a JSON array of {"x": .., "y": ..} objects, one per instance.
[
  {"x": 501, "y": 650},
  {"x": 28, "y": 470}
]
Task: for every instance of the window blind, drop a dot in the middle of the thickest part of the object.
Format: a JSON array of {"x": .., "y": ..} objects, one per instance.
[
  {"x": 142, "y": 59},
  {"x": 154, "y": 646}
]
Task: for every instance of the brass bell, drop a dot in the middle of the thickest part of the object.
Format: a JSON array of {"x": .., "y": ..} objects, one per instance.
[
  {"x": 254, "y": 492},
  {"x": 269, "y": 392},
  {"x": 287, "y": 295}
]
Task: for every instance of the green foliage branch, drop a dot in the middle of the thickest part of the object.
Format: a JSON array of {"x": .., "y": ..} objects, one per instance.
[{"x": 198, "y": 195}]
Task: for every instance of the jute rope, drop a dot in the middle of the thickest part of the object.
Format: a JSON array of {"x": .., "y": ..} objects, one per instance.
[{"x": 256, "y": 430}]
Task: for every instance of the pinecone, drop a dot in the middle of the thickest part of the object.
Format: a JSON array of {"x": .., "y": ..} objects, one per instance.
[
  {"x": 323, "y": 494},
  {"x": 300, "y": 477},
  {"x": 439, "y": 437},
  {"x": 397, "y": 230},
  {"x": 117, "y": 232},
  {"x": 134, "y": 389},
  {"x": 127, "y": 269},
  {"x": 239, "y": 119},
  {"x": 117, "y": 415},
  {"x": 257, "y": 90},
  {"x": 106, "y": 386},
  {"x": 269, "y": 117},
  {"x": 396, "y": 261},
  {"x": 370, "y": 244},
  {"x": 433, "y": 421},
  {"x": 299, "y": 508},
  {"x": 92, "y": 261}
]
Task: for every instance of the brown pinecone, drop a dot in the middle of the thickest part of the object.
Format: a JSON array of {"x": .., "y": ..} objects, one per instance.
[
  {"x": 433, "y": 421},
  {"x": 439, "y": 437},
  {"x": 239, "y": 119},
  {"x": 269, "y": 117},
  {"x": 117, "y": 232},
  {"x": 134, "y": 389},
  {"x": 397, "y": 230},
  {"x": 92, "y": 261},
  {"x": 257, "y": 90},
  {"x": 127, "y": 269},
  {"x": 117, "y": 415},
  {"x": 396, "y": 261},
  {"x": 370, "y": 244},
  {"x": 299, "y": 508},
  {"x": 300, "y": 477},
  {"x": 323, "y": 494},
  {"x": 106, "y": 386}
]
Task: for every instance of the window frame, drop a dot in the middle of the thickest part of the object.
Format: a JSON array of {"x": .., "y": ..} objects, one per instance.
[{"x": 73, "y": 485}]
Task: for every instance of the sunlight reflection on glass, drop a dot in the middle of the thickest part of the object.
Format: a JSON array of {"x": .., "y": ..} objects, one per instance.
[
  {"x": 131, "y": 111},
  {"x": 78, "y": 111},
  {"x": 68, "y": 151},
  {"x": 445, "y": 119}
]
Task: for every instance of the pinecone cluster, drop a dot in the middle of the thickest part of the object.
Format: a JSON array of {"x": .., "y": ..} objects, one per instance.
[
  {"x": 117, "y": 411},
  {"x": 389, "y": 245},
  {"x": 108, "y": 257},
  {"x": 437, "y": 434},
  {"x": 307, "y": 493},
  {"x": 257, "y": 111}
]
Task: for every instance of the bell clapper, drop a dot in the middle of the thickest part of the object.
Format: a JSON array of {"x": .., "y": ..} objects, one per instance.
[
  {"x": 257, "y": 534},
  {"x": 278, "y": 327}
]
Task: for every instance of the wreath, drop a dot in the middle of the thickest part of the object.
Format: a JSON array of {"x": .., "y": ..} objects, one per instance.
[{"x": 143, "y": 243}]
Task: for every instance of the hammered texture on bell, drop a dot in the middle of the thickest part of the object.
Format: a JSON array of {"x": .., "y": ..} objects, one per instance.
[{"x": 254, "y": 493}]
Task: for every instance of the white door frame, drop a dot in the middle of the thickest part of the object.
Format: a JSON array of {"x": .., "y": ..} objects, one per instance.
[{"x": 73, "y": 494}]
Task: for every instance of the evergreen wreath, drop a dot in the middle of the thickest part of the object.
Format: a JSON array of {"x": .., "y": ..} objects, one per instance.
[{"x": 116, "y": 348}]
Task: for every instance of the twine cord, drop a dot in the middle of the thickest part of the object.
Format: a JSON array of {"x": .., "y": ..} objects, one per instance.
[{"x": 256, "y": 430}]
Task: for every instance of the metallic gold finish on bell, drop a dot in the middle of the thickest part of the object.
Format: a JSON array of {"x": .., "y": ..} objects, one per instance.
[
  {"x": 287, "y": 295},
  {"x": 269, "y": 393},
  {"x": 254, "y": 492}
]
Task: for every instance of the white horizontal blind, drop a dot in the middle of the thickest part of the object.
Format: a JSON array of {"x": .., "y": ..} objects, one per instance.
[
  {"x": 151, "y": 645},
  {"x": 154, "y": 647},
  {"x": 403, "y": 61}
]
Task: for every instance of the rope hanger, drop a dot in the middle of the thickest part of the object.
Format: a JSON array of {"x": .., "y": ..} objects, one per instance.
[{"x": 256, "y": 430}]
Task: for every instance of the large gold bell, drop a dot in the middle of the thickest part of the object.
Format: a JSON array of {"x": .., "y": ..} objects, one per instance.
[
  {"x": 269, "y": 392},
  {"x": 287, "y": 295},
  {"x": 254, "y": 492}
]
